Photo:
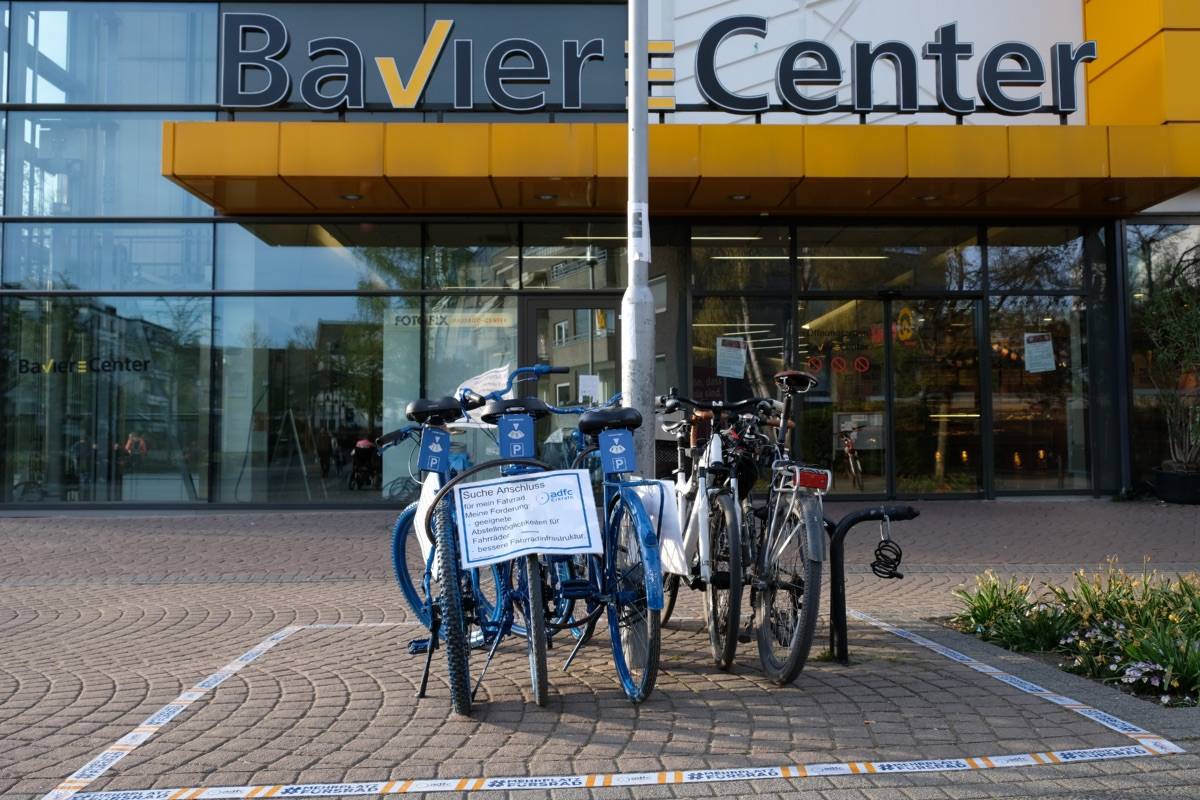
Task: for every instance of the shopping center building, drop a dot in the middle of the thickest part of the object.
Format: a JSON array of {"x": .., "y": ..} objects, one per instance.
[{"x": 239, "y": 237}]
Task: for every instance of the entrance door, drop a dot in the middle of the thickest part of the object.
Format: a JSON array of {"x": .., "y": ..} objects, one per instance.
[
  {"x": 581, "y": 335},
  {"x": 937, "y": 397}
]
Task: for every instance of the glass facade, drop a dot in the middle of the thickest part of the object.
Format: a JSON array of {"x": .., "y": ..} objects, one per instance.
[
  {"x": 150, "y": 353},
  {"x": 1159, "y": 257}
]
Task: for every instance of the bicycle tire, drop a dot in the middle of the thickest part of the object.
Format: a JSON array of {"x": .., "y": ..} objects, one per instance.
[
  {"x": 856, "y": 473},
  {"x": 402, "y": 536},
  {"x": 634, "y": 628},
  {"x": 723, "y": 605},
  {"x": 773, "y": 630},
  {"x": 453, "y": 620},
  {"x": 535, "y": 625},
  {"x": 670, "y": 595}
]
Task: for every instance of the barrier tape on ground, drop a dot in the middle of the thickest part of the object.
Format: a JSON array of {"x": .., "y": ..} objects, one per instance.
[
  {"x": 1148, "y": 744},
  {"x": 1156, "y": 744},
  {"x": 790, "y": 772}
]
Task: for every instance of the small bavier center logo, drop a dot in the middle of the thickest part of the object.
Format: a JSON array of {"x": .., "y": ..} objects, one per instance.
[{"x": 55, "y": 366}]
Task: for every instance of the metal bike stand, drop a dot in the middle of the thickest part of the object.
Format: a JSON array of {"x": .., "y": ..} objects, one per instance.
[{"x": 838, "y": 645}]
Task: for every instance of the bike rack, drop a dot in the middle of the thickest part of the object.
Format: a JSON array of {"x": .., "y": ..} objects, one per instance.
[{"x": 838, "y": 646}]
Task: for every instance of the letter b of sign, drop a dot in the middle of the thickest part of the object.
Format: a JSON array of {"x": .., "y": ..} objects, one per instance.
[{"x": 253, "y": 76}]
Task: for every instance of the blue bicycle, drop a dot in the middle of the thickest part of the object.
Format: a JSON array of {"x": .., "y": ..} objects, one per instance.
[{"x": 625, "y": 582}]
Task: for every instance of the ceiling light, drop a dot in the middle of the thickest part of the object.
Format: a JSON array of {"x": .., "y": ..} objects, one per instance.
[
  {"x": 739, "y": 197},
  {"x": 928, "y": 198},
  {"x": 547, "y": 197},
  {"x": 842, "y": 258},
  {"x": 750, "y": 258},
  {"x": 726, "y": 238},
  {"x": 1116, "y": 198},
  {"x": 352, "y": 198},
  {"x": 1047, "y": 319}
]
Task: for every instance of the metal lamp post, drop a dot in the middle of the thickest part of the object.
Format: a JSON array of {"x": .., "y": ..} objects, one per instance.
[{"x": 637, "y": 304}]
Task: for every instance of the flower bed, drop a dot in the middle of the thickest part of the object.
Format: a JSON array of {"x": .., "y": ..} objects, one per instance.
[{"x": 1140, "y": 632}]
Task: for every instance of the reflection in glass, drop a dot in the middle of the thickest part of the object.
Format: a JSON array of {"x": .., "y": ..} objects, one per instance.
[
  {"x": 733, "y": 259},
  {"x": 842, "y": 425},
  {"x": 330, "y": 255},
  {"x": 858, "y": 259},
  {"x": 81, "y": 163},
  {"x": 105, "y": 399},
  {"x": 465, "y": 256},
  {"x": 1031, "y": 259},
  {"x": 1159, "y": 257},
  {"x": 755, "y": 329},
  {"x": 109, "y": 257},
  {"x": 466, "y": 337},
  {"x": 1039, "y": 393},
  {"x": 303, "y": 392},
  {"x": 588, "y": 343},
  {"x": 573, "y": 255},
  {"x": 937, "y": 409},
  {"x": 114, "y": 53}
]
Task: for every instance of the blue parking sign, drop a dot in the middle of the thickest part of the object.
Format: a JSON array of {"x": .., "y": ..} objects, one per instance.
[
  {"x": 616, "y": 452},
  {"x": 516, "y": 436},
  {"x": 435, "y": 451}
]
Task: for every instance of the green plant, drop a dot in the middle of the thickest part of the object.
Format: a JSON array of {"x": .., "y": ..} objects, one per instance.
[
  {"x": 991, "y": 605},
  {"x": 1172, "y": 321},
  {"x": 1139, "y": 631}
]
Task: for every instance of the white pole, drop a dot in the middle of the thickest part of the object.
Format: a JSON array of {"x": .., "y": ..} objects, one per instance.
[{"x": 637, "y": 305}]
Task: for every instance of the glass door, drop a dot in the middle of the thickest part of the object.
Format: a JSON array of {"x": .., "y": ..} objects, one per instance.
[
  {"x": 937, "y": 404},
  {"x": 843, "y": 419},
  {"x": 583, "y": 336}
]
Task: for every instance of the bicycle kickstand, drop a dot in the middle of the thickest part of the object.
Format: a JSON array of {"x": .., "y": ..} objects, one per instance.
[
  {"x": 574, "y": 652},
  {"x": 435, "y": 624},
  {"x": 491, "y": 654}
]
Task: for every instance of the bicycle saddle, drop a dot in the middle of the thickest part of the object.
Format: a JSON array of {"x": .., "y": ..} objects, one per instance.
[
  {"x": 495, "y": 409},
  {"x": 793, "y": 380},
  {"x": 602, "y": 419},
  {"x": 437, "y": 412}
]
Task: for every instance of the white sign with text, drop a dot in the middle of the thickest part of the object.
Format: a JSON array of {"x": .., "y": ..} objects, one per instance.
[{"x": 543, "y": 512}]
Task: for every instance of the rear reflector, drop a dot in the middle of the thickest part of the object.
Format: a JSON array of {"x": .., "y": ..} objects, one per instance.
[{"x": 818, "y": 479}]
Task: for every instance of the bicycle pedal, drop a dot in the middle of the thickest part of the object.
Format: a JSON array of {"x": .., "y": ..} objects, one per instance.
[
  {"x": 743, "y": 637},
  {"x": 418, "y": 646},
  {"x": 575, "y": 589}
]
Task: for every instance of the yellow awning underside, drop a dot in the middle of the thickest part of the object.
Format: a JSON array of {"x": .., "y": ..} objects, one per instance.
[{"x": 244, "y": 168}]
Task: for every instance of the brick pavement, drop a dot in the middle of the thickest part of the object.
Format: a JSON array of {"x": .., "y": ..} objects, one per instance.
[{"x": 104, "y": 619}]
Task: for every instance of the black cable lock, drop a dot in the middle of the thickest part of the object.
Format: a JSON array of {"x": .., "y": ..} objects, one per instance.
[{"x": 887, "y": 553}]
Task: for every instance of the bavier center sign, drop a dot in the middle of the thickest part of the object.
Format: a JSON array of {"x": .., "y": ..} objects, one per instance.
[{"x": 527, "y": 58}]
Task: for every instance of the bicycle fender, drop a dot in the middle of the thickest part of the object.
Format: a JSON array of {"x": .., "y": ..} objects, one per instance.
[
  {"x": 653, "y": 563},
  {"x": 814, "y": 528}
]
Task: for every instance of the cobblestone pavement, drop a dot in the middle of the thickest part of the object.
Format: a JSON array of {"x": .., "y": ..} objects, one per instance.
[{"x": 105, "y": 619}]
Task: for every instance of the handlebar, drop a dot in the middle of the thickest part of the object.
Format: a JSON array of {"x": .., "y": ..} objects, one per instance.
[
  {"x": 667, "y": 401},
  {"x": 472, "y": 399},
  {"x": 396, "y": 437},
  {"x": 612, "y": 401}
]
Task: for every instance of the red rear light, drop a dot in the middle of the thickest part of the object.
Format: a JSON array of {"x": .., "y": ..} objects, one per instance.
[{"x": 817, "y": 479}]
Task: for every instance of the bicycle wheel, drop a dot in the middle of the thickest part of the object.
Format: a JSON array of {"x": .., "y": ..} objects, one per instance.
[
  {"x": 856, "y": 473},
  {"x": 455, "y": 628},
  {"x": 535, "y": 625},
  {"x": 788, "y": 600},
  {"x": 633, "y": 627},
  {"x": 670, "y": 595},
  {"x": 723, "y": 594},
  {"x": 410, "y": 565}
]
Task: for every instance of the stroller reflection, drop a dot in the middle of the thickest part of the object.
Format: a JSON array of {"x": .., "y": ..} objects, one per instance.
[{"x": 364, "y": 465}]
